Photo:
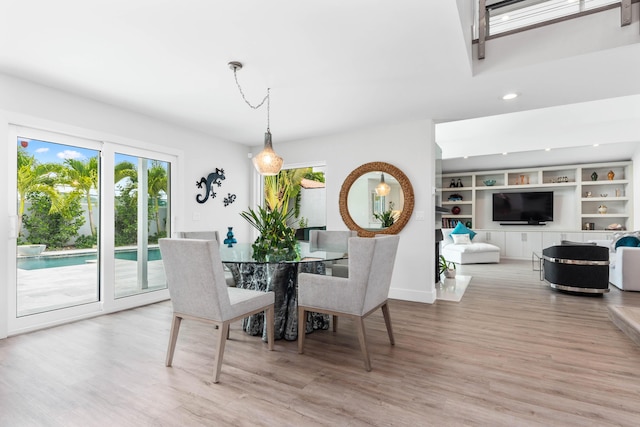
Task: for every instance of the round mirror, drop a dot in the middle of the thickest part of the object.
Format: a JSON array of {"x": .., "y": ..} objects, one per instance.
[{"x": 376, "y": 198}]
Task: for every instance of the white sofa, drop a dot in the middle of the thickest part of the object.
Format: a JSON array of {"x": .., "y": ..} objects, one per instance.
[
  {"x": 476, "y": 252},
  {"x": 624, "y": 264}
]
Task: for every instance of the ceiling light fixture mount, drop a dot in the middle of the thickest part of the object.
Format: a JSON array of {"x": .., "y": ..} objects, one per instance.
[{"x": 267, "y": 162}]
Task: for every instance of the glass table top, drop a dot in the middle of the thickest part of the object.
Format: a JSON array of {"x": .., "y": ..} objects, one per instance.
[{"x": 243, "y": 253}]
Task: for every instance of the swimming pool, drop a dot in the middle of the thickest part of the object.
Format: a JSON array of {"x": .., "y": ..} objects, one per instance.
[{"x": 44, "y": 261}]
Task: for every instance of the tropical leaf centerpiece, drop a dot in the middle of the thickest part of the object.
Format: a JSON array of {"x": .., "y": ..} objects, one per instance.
[
  {"x": 388, "y": 217},
  {"x": 277, "y": 241}
]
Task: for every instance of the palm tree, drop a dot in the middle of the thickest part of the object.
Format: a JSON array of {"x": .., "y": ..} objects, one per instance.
[
  {"x": 83, "y": 177},
  {"x": 157, "y": 181},
  {"x": 124, "y": 170},
  {"x": 34, "y": 177},
  {"x": 281, "y": 188},
  {"x": 157, "y": 184}
]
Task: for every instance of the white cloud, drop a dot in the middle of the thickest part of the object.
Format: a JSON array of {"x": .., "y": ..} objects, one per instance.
[
  {"x": 69, "y": 154},
  {"x": 42, "y": 150}
]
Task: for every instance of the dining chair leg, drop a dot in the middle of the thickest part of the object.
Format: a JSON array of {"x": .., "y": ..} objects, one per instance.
[
  {"x": 335, "y": 323},
  {"x": 173, "y": 338},
  {"x": 222, "y": 340},
  {"x": 270, "y": 326},
  {"x": 302, "y": 314},
  {"x": 387, "y": 321},
  {"x": 363, "y": 342}
]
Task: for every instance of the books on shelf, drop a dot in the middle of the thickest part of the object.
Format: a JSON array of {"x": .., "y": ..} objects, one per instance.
[{"x": 452, "y": 222}]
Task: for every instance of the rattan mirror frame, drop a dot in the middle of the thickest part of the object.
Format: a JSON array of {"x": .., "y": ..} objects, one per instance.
[{"x": 405, "y": 185}]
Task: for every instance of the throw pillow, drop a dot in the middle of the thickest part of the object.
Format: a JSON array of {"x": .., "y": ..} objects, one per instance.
[
  {"x": 462, "y": 229},
  {"x": 627, "y": 241},
  {"x": 461, "y": 239}
]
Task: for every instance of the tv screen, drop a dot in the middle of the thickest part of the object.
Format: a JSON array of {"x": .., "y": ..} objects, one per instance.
[{"x": 526, "y": 207}]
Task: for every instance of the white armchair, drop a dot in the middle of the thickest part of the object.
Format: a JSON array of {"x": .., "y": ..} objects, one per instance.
[
  {"x": 624, "y": 269},
  {"x": 624, "y": 261}
]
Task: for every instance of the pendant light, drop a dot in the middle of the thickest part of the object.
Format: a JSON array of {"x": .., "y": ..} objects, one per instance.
[
  {"x": 382, "y": 189},
  {"x": 267, "y": 162}
]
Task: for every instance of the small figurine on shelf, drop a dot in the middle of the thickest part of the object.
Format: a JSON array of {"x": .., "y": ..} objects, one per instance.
[
  {"x": 594, "y": 176},
  {"x": 453, "y": 183},
  {"x": 459, "y": 183},
  {"x": 611, "y": 175}
]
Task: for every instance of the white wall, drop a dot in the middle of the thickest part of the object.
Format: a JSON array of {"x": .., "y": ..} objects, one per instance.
[
  {"x": 32, "y": 105},
  {"x": 636, "y": 190},
  {"x": 408, "y": 146}
]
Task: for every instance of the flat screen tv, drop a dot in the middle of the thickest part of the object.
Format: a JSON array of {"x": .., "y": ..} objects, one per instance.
[{"x": 532, "y": 208}]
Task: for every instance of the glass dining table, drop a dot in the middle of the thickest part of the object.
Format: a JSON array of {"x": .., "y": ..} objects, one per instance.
[{"x": 281, "y": 278}]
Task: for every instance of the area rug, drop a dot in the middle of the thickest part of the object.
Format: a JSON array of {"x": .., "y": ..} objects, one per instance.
[{"x": 452, "y": 289}]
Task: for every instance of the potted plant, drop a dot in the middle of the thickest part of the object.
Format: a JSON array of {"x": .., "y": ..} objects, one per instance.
[
  {"x": 447, "y": 268},
  {"x": 387, "y": 218},
  {"x": 277, "y": 241}
]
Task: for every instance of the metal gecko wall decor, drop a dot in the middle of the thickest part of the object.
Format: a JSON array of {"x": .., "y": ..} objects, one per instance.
[{"x": 214, "y": 178}]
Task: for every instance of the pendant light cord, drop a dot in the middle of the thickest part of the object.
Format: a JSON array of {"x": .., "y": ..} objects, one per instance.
[{"x": 267, "y": 98}]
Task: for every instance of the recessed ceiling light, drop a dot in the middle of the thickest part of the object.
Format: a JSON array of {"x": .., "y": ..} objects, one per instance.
[
  {"x": 547, "y": 149},
  {"x": 466, "y": 157},
  {"x": 509, "y": 96},
  {"x": 504, "y": 154},
  {"x": 596, "y": 145}
]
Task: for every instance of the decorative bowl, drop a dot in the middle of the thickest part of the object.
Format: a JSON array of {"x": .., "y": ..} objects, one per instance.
[
  {"x": 603, "y": 194},
  {"x": 489, "y": 182}
]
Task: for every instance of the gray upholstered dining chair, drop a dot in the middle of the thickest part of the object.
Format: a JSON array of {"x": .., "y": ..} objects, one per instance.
[
  {"x": 332, "y": 241},
  {"x": 205, "y": 235},
  {"x": 366, "y": 289},
  {"x": 208, "y": 235},
  {"x": 198, "y": 290}
]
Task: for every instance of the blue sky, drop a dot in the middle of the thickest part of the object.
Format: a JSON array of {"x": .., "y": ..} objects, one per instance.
[{"x": 51, "y": 152}]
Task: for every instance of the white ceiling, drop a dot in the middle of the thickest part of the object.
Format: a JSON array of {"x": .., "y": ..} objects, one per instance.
[{"x": 332, "y": 65}]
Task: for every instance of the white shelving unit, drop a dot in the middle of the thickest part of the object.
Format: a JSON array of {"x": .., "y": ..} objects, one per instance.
[
  {"x": 577, "y": 197},
  {"x": 465, "y": 204}
]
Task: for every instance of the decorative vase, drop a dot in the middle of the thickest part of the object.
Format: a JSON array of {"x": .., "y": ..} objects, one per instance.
[
  {"x": 611, "y": 175},
  {"x": 455, "y": 210},
  {"x": 602, "y": 209},
  {"x": 230, "y": 240},
  {"x": 594, "y": 176}
]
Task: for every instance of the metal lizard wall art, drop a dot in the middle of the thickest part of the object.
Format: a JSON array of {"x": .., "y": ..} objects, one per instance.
[{"x": 213, "y": 178}]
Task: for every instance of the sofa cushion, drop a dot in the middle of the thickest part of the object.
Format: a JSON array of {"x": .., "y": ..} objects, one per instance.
[
  {"x": 474, "y": 248},
  {"x": 462, "y": 229},
  {"x": 461, "y": 239}
]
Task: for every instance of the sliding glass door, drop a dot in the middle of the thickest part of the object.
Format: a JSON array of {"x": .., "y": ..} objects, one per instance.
[
  {"x": 58, "y": 205},
  {"x": 141, "y": 213},
  {"x": 88, "y": 216}
]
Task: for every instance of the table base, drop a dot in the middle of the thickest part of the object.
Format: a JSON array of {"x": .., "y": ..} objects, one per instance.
[{"x": 282, "y": 279}]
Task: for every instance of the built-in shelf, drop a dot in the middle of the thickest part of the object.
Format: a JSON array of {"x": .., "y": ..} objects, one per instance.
[{"x": 574, "y": 183}]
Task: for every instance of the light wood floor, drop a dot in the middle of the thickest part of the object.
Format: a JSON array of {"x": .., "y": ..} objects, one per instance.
[{"x": 511, "y": 353}]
